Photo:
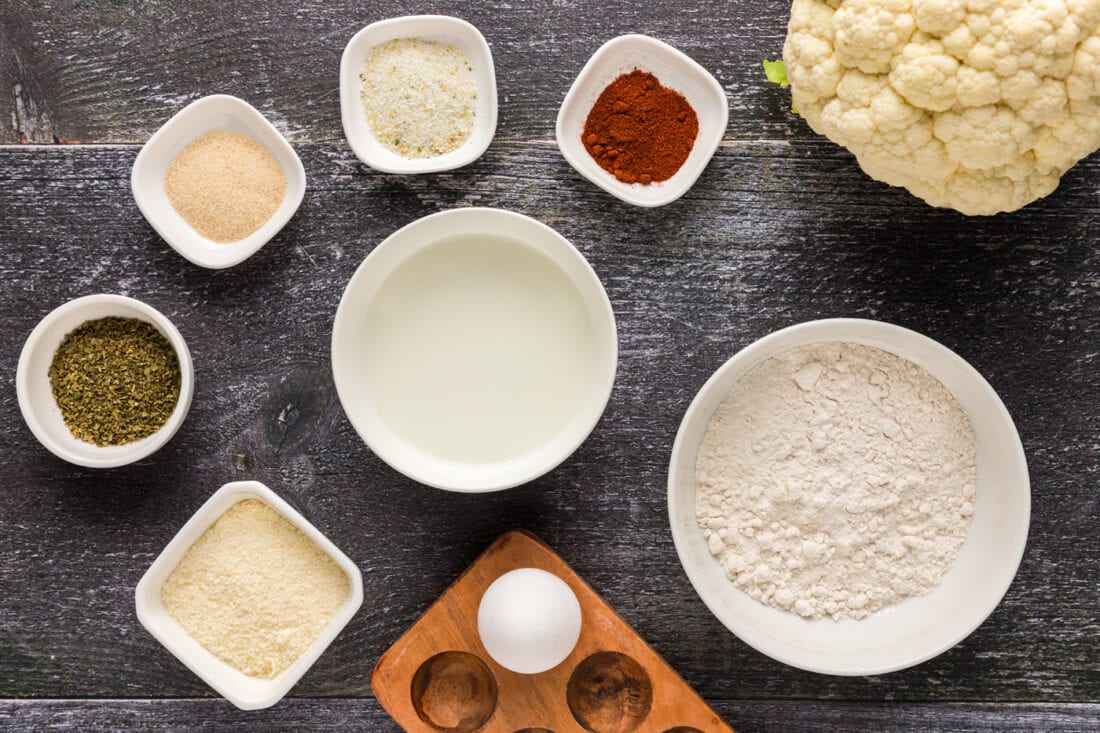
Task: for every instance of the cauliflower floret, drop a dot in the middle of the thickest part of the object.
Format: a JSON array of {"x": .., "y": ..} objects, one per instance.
[
  {"x": 869, "y": 33},
  {"x": 939, "y": 16},
  {"x": 926, "y": 76},
  {"x": 976, "y": 105}
]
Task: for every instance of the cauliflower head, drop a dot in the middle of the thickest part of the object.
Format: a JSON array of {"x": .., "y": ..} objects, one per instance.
[{"x": 974, "y": 105}]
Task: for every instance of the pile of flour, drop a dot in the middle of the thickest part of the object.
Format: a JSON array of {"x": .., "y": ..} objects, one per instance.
[{"x": 836, "y": 479}]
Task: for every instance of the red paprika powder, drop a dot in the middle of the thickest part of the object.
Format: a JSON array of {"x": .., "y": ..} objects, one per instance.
[{"x": 639, "y": 130}]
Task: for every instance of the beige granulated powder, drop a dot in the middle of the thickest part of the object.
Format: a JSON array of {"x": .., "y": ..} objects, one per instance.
[
  {"x": 225, "y": 185},
  {"x": 254, "y": 590},
  {"x": 836, "y": 479}
]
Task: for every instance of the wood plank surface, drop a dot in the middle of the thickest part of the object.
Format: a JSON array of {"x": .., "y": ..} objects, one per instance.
[
  {"x": 773, "y": 234},
  {"x": 760, "y": 716},
  {"x": 781, "y": 228},
  {"x": 81, "y": 71}
]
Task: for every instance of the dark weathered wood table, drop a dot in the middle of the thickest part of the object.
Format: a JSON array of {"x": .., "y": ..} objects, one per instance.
[{"x": 781, "y": 228}]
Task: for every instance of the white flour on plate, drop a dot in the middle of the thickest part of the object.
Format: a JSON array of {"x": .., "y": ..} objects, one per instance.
[{"x": 836, "y": 479}]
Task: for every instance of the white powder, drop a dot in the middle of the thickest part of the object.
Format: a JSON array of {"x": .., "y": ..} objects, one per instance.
[
  {"x": 836, "y": 479},
  {"x": 254, "y": 590},
  {"x": 419, "y": 96}
]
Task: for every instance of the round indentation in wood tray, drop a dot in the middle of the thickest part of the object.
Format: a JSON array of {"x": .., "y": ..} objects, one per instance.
[
  {"x": 534, "y": 730},
  {"x": 683, "y": 729},
  {"x": 454, "y": 692},
  {"x": 609, "y": 693}
]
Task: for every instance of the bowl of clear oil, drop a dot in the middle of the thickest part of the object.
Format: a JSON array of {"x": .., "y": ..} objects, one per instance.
[{"x": 474, "y": 350}]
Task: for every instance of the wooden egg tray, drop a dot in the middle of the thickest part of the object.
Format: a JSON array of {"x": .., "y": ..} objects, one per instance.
[{"x": 438, "y": 676}]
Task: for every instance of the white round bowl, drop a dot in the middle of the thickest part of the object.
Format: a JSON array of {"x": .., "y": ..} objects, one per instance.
[
  {"x": 444, "y": 29},
  {"x": 349, "y": 335},
  {"x": 674, "y": 69},
  {"x": 40, "y": 410},
  {"x": 918, "y": 628}
]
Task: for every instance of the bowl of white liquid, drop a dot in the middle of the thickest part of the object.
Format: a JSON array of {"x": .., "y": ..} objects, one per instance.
[{"x": 474, "y": 349}]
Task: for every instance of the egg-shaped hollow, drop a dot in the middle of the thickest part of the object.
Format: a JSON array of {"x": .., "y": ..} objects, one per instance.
[
  {"x": 454, "y": 692},
  {"x": 683, "y": 729},
  {"x": 609, "y": 692}
]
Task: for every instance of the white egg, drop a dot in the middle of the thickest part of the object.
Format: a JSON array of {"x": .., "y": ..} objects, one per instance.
[{"x": 529, "y": 620}]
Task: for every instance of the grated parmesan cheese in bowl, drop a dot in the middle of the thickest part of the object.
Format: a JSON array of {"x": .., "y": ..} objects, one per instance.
[
  {"x": 254, "y": 590},
  {"x": 248, "y": 594}
]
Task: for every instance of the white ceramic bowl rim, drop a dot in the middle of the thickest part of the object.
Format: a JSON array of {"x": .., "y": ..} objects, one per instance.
[
  {"x": 35, "y": 395},
  {"x": 757, "y": 624},
  {"x": 475, "y": 478},
  {"x": 247, "y": 693}
]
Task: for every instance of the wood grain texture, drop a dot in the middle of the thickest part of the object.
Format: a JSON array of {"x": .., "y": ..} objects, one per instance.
[
  {"x": 611, "y": 681},
  {"x": 772, "y": 234},
  {"x": 759, "y": 716},
  {"x": 781, "y": 228},
  {"x": 114, "y": 72}
]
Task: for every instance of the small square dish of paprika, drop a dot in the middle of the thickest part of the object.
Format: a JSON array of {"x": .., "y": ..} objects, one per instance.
[{"x": 642, "y": 120}]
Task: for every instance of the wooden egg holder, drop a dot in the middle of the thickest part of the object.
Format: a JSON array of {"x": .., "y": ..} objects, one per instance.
[{"x": 438, "y": 676}]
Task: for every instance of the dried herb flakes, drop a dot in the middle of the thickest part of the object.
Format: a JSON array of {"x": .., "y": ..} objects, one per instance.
[{"x": 116, "y": 380}]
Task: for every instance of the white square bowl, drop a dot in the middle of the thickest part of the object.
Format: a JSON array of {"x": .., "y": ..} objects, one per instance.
[
  {"x": 216, "y": 112},
  {"x": 244, "y": 691},
  {"x": 673, "y": 69},
  {"x": 444, "y": 29}
]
